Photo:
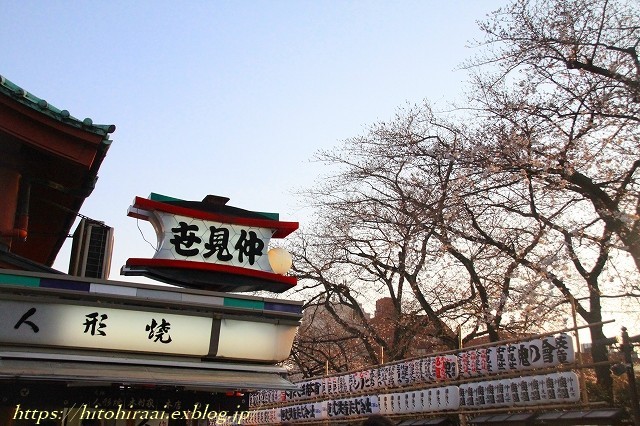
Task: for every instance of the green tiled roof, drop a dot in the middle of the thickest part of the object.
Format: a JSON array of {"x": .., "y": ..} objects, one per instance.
[{"x": 19, "y": 94}]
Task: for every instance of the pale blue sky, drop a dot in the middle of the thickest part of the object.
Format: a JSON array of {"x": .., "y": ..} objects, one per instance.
[{"x": 229, "y": 97}]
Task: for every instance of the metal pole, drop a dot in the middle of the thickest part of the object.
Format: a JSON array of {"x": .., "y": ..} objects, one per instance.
[
  {"x": 627, "y": 349},
  {"x": 461, "y": 417},
  {"x": 583, "y": 384}
]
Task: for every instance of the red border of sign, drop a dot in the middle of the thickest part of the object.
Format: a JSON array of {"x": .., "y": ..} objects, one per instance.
[
  {"x": 212, "y": 267},
  {"x": 282, "y": 228}
]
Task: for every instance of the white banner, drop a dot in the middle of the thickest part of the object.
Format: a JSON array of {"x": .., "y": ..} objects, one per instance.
[{"x": 98, "y": 327}]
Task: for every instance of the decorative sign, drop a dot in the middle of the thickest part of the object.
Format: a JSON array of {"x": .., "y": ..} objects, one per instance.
[
  {"x": 266, "y": 397},
  {"x": 473, "y": 363},
  {"x": 263, "y": 417},
  {"x": 552, "y": 388},
  {"x": 306, "y": 390},
  {"x": 360, "y": 406},
  {"x": 97, "y": 327},
  {"x": 528, "y": 390},
  {"x": 196, "y": 240},
  {"x": 536, "y": 353},
  {"x": 301, "y": 412},
  {"x": 362, "y": 380},
  {"x": 445, "y": 367},
  {"x": 210, "y": 245}
]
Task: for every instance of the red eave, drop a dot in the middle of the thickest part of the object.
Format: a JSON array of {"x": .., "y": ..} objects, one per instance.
[
  {"x": 211, "y": 267},
  {"x": 55, "y": 154},
  {"x": 47, "y": 134}
]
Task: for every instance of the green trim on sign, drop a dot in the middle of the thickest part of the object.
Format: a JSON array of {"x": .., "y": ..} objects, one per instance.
[
  {"x": 154, "y": 196},
  {"x": 19, "y": 280},
  {"x": 239, "y": 303},
  {"x": 162, "y": 198},
  {"x": 272, "y": 216}
]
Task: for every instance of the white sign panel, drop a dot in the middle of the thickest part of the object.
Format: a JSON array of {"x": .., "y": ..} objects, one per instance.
[
  {"x": 198, "y": 240},
  {"x": 261, "y": 341},
  {"x": 78, "y": 326}
]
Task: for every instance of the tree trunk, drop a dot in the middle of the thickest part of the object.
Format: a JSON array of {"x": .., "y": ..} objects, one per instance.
[{"x": 600, "y": 353}]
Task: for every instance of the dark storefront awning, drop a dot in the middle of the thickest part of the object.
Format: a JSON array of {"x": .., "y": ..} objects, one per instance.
[
  {"x": 189, "y": 378},
  {"x": 584, "y": 417},
  {"x": 498, "y": 419},
  {"x": 443, "y": 421},
  {"x": 189, "y": 375},
  {"x": 592, "y": 417}
]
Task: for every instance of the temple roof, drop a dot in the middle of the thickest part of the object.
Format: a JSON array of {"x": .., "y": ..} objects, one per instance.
[
  {"x": 38, "y": 104},
  {"x": 57, "y": 157}
]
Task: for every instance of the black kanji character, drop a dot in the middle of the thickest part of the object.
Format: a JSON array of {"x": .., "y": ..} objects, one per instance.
[
  {"x": 160, "y": 331},
  {"x": 23, "y": 320},
  {"x": 523, "y": 355},
  {"x": 548, "y": 351},
  {"x": 501, "y": 360},
  {"x": 182, "y": 237},
  {"x": 250, "y": 247},
  {"x": 562, "y": 345},
  {"x": 218, "y": 240},
  {"x": 92, "y": 321}
]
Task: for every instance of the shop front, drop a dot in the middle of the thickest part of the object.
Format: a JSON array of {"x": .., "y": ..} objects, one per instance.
[{"x": 80, "y": 349}]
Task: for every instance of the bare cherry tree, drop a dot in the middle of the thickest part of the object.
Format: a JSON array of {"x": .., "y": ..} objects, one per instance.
[
  {"x": 390, "y": 221},
  {"x": 558, "y": 87},
  {"x": 492, "y": 220}
]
